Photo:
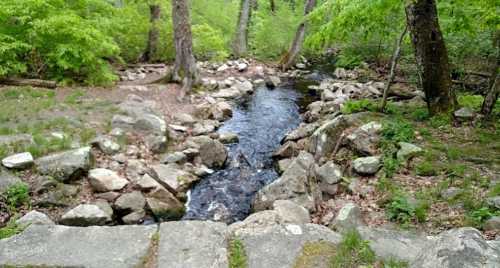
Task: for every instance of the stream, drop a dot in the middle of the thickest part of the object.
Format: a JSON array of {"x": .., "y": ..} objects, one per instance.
[{"x": 261, "y": 122}]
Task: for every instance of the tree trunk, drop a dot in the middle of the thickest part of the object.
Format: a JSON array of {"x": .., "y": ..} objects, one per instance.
[
  {"x": 28, "y": 82},
  {"x": 494, "y": 88},
  {"x": 154, "y": 34},
  {"x": 185, "y": 69},
  {"x": 289, "y": 58},
  {"x": 241, "y": 41},
  {"x": 272, "y": 6},
  {"x": 394, "y": 64},
  {"x": 431, "y": 55}
]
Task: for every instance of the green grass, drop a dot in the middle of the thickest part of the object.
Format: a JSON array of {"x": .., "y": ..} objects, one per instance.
[
  {"x": 11, "y": 229},
  {"x": 16, "y": 196},
  {"x": 356, "y": 106},
  {"x": 353, "y": 251},
  {"x": 237, "y": 255}
]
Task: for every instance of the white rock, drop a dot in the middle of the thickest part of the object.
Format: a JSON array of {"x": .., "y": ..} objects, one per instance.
[
  {"x": 105, "y": 180},
  {"x": 21, "y": 160}
]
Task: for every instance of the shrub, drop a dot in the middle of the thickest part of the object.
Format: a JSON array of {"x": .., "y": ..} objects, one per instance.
[
  {"x": 399, "y": 209},
  {"x": 17, "y": 195},
  {"x": 356, "y": 106},
  {"x": 353, "y": 251}
]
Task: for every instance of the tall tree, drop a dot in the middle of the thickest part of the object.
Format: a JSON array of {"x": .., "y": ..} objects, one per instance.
[
  {"x": 240, "y": 46},
  {"x": 154, "y": 33},
  {"x": 494, "y": 88},
  {"x": 289, "y": 58},
  {"x": 431, "y": 55},
  {"x": 185, "y": 69}
]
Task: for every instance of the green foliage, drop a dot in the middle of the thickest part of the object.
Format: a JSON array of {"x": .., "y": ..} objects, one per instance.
[
  {"x": 10, "y": 229},
  {"x": 348, "y": 61},
  {"x": 399, "y": 209},
  {"x": 208, "y": 43},
  {"x": 478, "y": 216},
  {"x": 237, "y": 255},
  {"x": 398, "y": 130},
  {"x": 353, "y": 251},
  {"x": 426, "y": 168},
  {"x": 16, "y": 196},
  {"x": 356, "y": 106}
]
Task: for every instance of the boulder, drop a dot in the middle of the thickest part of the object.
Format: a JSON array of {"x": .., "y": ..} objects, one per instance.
[
  {"x": 291, "y": 212},
  {"x": 227, "y": 93},
  {"x": 213, "y": 154},
  {"x": 146, "y": 183},
  {"x": 348, "y": 218},
  {"x": 303, "y": 131},
  {"x": 464, "y": 247},
  {"x": 63, "y": 246},
  {"x": 150, "y": 123},
  {"x": 18, "y": 161},
  {"x": 66, "y": 166},
  {"x": 134, "y": 217},
  {"x": 408, "y": 151},
  {"x": 228, "y": 138},
  {"x": 365, "y": 139},
  {"x": 294, "y": 184},
  {"x": 165, "y": 210},
  {"x": 174, "y": 158},
  {"x": 130, "y": 202},
  {"x": 106, "y": 145},
  {"x": 283, "y": 164},
  {"x": 325, "y": 138},
  {"x": 367, "y": 165},
  {"x": 287, "y": 150},
  {"x": 85, "y": 215},
  {"x": 185, "y": 119},
  {"x": 394, "y": 244},
  {"x": 205, "y": 127},
  {"x": 105, "y": 180},
  {"x": 193, "y": 244},
  {"x": 156, "y": 143},
  {"x": 104, "y": 206},
  {"x": 7, "y": 180},
  {"x": 329, "y": 173},
  {"x": 221, "y": 111},
  {"x": 245, "y": 87},
  {"x": 241, "y": 67},
  {"x": 34, "y": 217},
  {"x": 172, "y": 177}
]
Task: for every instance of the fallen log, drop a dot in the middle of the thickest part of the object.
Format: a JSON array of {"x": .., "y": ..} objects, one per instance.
[{"x": 28, "y": 82}]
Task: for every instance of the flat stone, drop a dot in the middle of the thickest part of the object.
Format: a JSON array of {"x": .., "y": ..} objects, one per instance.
[
  {"x": 34, "y": 217},
  {"x": 213, "y": 153},
  {"x": 227, "y": 93},
  {"x": 104, "y": 206},
  {"x": 228, "y": 138},
  {"x": 367, "y": 165},
  {"x": 18, "y": 161},
  {"x": 63, "y": 246},
  {"x": 134, "y": 217},
  {"x": 105, "y": 180},
  {"x": 187, "y": 244},
  {"x": 176, "y": 157},
  {"x": 173, "y": 178},
  {"x": 278, "y": 246},
  {"x": 147, "y": 183},
  {"x": 464, "y": 113},
  {"x": 65, "y": 166},
  {"x": 184, "y": 118},
  {"x": 329, "y": 173},
  {"x": 106, "y": 145},
  {"x": 85, "y": 215},
  {"x": 165, "y": 210}
]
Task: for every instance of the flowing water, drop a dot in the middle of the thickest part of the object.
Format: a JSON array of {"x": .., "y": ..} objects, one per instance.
[{"x": 261, "y": 123}]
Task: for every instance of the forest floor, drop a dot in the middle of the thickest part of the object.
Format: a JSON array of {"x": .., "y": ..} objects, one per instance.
[{"x": 444, "y": 188}]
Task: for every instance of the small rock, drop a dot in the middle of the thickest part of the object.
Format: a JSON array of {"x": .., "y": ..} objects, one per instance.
[
  {"x": 108, "y": 196},
  {"x": 464, "y": 114},
  {"x": 228, "y": 138},
  {"x": 367, "y": 165},
  {"x": 173, "y": 178},
  {"x": 349, "y": 217},
  {"x": 85, "y": 215},
  {"x": 133, "y": 201},
  {"x": 329, "y": 173},
  {"x": 212, "y": 152},
  {"x": 283, "y": 164},
  {"x": 18, "y": 161},
  {"x": 106, "y": 145},
  {"x": 104, "y": 180},
  {"x": 156, "y": 143},
  {"x": 165, "y": 211},
  {"x": 450, "y": 193},
  {"x": 104, "y": 206},
  {"x": 134, "y": 217},
  {"x": 34, "y": 217},
  {"x": 493, "y": 224},
  {"x": 176, "y": 157},
  {"x": 494, "y": 202},
  {"x": 287, "y": 150},
  {"x": 408, "y": 151},
  {"x": 242, "y": 67},
  {"x": 147, "y": 183},
  {"x": 185, "y": 119},
  {"x": 272, "y": 81}
]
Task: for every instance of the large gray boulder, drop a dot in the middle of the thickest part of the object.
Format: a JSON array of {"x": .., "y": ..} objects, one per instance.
[
  {"x": 34, "y": 217},
  {"x": 130, "y": 202},
  {"x": 189, "y": 244},
  {"x": 348, "y": 217},
  {"x": 365, "y": 139},
  {"x": 85, "y": 215},
  {"x": 278, "y": 246},
  {"x": 464, "y": 247},
  {"x": 295, "y": 184},
  {"x": 213, "y": 154},
  {"x": 66, "y": 166},
  {"x": 325, "y": 138},
  {"x": 367, "y": 165},
  {"x": 392, "y": 244},
  {"x": 63, "y": 246}
]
